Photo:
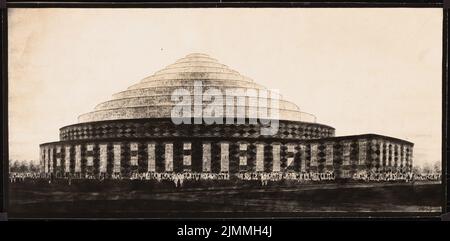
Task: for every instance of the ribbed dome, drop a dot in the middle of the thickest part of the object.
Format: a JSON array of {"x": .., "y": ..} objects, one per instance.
[{"x": 151, "y": 97}]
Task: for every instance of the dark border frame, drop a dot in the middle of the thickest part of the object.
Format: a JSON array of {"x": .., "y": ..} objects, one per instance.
[
  {"x": 223, "y": 3},
  {"x": 4, "y": 4}
]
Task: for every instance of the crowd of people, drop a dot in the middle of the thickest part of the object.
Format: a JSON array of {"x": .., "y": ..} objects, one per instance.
[
  {"x": 428, "y": 177},
  {"x": 384, "y": 177},
  {"x": 179, "y": 178},
  {"x": 21, "y": 176},
  {"x": 264, "y": 178}
]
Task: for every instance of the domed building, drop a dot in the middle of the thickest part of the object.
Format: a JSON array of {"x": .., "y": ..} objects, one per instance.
[{"x": 199, "y": 116}]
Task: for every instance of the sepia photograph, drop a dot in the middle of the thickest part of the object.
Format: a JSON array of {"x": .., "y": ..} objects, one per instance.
[{"x": 224, "y": 112}]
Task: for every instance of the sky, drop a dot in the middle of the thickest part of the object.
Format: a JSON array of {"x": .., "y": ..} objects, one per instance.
[{"x": 359, "y": 70}]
